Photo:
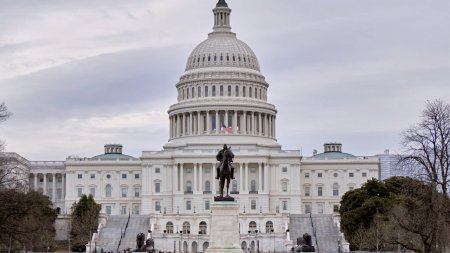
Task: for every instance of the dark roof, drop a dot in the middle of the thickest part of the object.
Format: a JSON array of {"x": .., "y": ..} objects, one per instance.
[
  {"x": 222, "y": 3},
  {"x": 333, "y": 155},
  {"x": 112, "y": 156}
]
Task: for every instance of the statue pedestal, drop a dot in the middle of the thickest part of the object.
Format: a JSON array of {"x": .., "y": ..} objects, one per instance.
[{"x": 224, "y": 236}]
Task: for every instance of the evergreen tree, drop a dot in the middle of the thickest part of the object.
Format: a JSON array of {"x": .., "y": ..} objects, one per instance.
[{"x": 85, "y": 215}]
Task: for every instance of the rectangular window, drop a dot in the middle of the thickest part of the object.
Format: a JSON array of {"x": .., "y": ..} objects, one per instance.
[
  {"x": 207, "y": 204},
  {"x": 307, "y": 191},
  {"x": 320, "y": 208},
  {"x": 59, "y": 179},
  {"x": 123, "y": 210},
  {"x": 364, "y": 174},
  {"x": 80, "y": 191},
  {"x": 157, "y": 206},
  {"x": 351, "y": 174},
  {"x": 284, "y": 205},
  {"x": 157, "y": 170},
  {"x": 320, "y": 191},
  {"x": 336, "y": 208},
  {"x": 307, "y": 208},
  {"x": 92, "y": 191},
  {"x": 124, "y": 192},
  {"x": 108, "y": 210},
  {"x": 136, "y": 209},
  {"x": 137, "y": 176},
  {"x": 253, "y": 204},
  {"x": 124, "y": 176},
  {"x": 284, "y": 186},
  {"x": 306, "y": 174},
  {"x": 137, "y": 192},
  {"x": 80, "y": 176},
  {"x": 157, "y": 187},
  {"x": 92, "y": 176},
  {"x": 319, "y": 174},
  {"x": 188, "y": 205},
  {"x": 284, "y": 169}
]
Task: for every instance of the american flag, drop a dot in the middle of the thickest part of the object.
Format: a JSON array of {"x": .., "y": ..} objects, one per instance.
[{"x": 226, "y": 129}]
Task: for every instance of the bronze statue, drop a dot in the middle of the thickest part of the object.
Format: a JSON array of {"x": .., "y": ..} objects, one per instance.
[
  {"x": 140, "y": 243},
  {"x": 225, "y": 171},
  {"x": 304, "y": 244}
]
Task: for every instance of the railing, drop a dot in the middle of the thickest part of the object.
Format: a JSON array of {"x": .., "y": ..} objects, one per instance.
[
  {"x": 122, "y": 234},
  {"x": 314, "y": 232},
  {"x": 253, "y": 192},
  {"x": 207, "y": 192}
]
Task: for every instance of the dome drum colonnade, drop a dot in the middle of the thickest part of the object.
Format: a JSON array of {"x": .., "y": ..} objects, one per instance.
[{"x": 234, "y": 102}]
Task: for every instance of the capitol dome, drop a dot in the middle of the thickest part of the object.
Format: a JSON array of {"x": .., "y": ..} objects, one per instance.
[
  {"x": 222, "y": 49},
  {"x": 222, "y": 95}
]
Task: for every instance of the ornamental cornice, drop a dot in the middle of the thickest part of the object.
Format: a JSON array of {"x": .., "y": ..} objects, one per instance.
[
  {"x": 240, "y": 81},
  {"x": 225, "y": 104}
]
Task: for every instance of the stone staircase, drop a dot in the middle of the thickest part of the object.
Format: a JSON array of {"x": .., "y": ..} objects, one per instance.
[
  {"x": 138, "y": 224},
  {"x": 324, "y": 233},
  {"x": 110, "y": 234},
  {"x": 299, "y": 225},
  {"x": 327, "y": 233}
]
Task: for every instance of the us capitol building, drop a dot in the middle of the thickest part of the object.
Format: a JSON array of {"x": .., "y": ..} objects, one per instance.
[{"x": 222, "y": 99}]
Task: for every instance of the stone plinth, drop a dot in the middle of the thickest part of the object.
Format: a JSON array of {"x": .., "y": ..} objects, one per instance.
[{"x": 224, "y": 236}]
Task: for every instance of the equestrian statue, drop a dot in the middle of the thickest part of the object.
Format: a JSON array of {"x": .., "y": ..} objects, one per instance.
[{"x": 225, "y": 171}]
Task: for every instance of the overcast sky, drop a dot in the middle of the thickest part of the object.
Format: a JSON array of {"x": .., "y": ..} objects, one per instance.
[{"x": 79, "y": 74}]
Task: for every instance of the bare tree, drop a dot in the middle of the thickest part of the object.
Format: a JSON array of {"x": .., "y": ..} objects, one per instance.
[
  {"x": 4, "y": 113},
  {"x": 427, "y": 146}
]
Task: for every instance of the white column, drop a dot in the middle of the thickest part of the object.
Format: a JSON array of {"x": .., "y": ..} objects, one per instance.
[
  {"x": 45, "y": 183},
  {"x": 246, "y": 177},
  {"x": 175, "y": 177},
  {"x": 225, "y": 120},
  {"x": 200, "y": 171},
  {"x": 35, "y": 181},
  {"x": 184, "y": 125},
  {"x": 213, "y": 178},
  {"x": 181, "y": 178},
  {"x": 259, "y": 124},
  {"x": 178, "y": 125},
  {"x": 208, "y": 123},
  {"x": 54, "y": 187},
  {"x": 199, "y": 123},
  {"x": 274, "y": 127},
  {"x": 266, "y": 177},
  {"x": 195, "y": 178},
  {"x": 241, "y": 179},
  {"x": 235, "y": 124},
  {"x": 253, "y": 123},
  {"x": 244, "y": 123},
  {"x": 217, "y": 122},
  {"x": 259, "y": 178},
  {"x": 63, "y": 188}
]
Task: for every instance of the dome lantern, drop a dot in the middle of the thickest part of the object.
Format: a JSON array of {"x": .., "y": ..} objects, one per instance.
[{"x": 222, "y": 17}]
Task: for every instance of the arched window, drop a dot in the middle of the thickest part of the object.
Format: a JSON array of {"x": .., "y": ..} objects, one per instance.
[
  {"x": 221, "y": 90},
  {"x": 335, "y": 189},
  {"x": 236, "y": 90},
  {"x": 193, "y": 92},
  {"x": 269, "y": 227},
  {"x": 253, "y": 186},
  {"x": 229, "y": 90},
  {"x": 199, "y": 91},
  {"x": 214, "y": 91},
  {"x": 108, "y": 191},
  {"x": 243, "y": 91},
  {"x": 202, "y": 228},
  {"x": 187, "y": 93},
  {"x": 189, "y": 186},
  {"x": 208, "y": 186},
  {"x": 206, "y": 91},
  {"x": 186, "y": 228},
  {"x": 250, "y": 91},
  {"x": 169, "y": 227},
  {"x": 252, "y": 227},
  {"x": 234, "y": 186}
]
